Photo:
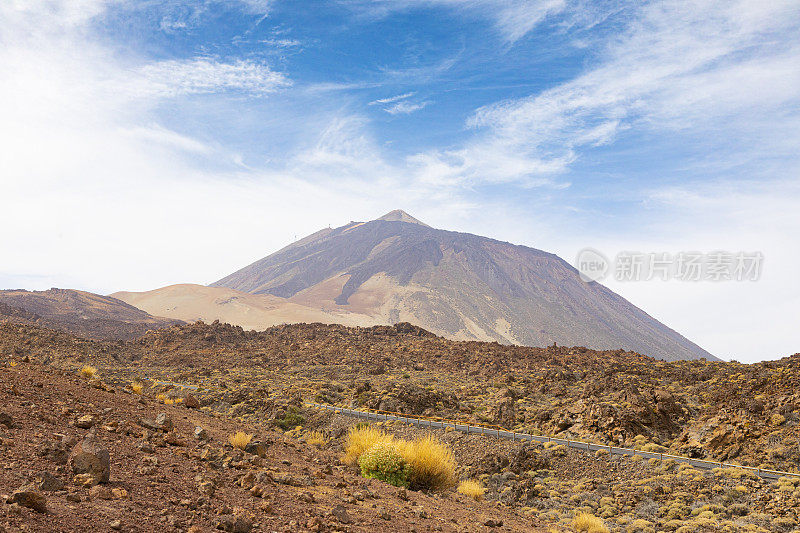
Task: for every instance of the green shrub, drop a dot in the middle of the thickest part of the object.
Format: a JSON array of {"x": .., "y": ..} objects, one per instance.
[
  {"x": 361, "y": 438},
  {"x": 291, "y": 419},
  {"x": 383, "y": 462}
]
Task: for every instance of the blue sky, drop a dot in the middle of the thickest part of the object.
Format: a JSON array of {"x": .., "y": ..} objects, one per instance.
[{"x": 161, "y": 141}]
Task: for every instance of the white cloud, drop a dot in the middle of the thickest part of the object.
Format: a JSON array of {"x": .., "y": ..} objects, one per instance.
[
  {"x": 206, "y": 75},
  {"x": 50, "y": 16},
  {"x": 516, "y": 19},
  {"x": 400, "y": 104},
  {"x": 485, "y": 163},
  {"x": 258, "y": 7},
  {"x": 680, "y": 65},
  {"x": 405, "y": 107},
  {"x": 103, "y": 196},
  {"x": 705, "y": 69},
  {"x": 391, "y": 99},
  {"x": 343, "y": 149},
  {"x": 155, "y": 134},
  {"x": 282, "y": 43}
]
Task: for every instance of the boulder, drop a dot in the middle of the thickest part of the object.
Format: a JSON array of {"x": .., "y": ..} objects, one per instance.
[
  {"x": 89, "y": 457},
  {"x": 207, "y": 488},
  {"x": 234, "y": 524},
  {"x": 6, "y": 420},
  {"x": 340, "y": 513},
  {"x": 50, "y": 483},
  {"x": 86, "y": 421},
  {"x": 30, "y": 497},
  {"x": 504, "y": 412},
  {"x": 54, "y": 451},
  {"x": 191, "y": 401},
  {"x": 174, "y": 439},
  {"x": 256, "y": 448},
  {"x": 101, "y": 492},
  {"x": 162, "y": 422}
]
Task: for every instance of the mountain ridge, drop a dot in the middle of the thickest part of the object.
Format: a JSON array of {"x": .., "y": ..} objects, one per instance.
[{"x": 83, "y": 313}]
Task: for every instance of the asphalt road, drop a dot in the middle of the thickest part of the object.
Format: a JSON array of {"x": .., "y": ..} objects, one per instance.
[{"x": 578, "y": 445}]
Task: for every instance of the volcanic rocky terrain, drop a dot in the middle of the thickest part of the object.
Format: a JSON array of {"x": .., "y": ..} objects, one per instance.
[{"x": 221, "y": 379}]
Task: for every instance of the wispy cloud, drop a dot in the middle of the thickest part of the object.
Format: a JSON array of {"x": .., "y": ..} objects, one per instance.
[
  {"x": 282, "y": 43},
  {"x": 205, "y": 75},
  {"x": 405, "y": 107},
  {"x": 400, "y": 104},
  {"x": 258, "y": 7},
  {"x": 512, "y": 18},
  {"x": 90, "y": 134},
  {"x": 177, "y": 16},
  {"x": 704, "y": 67},
  {"x": 155, "y": 134},
  {"x": 391, "y": 99}
]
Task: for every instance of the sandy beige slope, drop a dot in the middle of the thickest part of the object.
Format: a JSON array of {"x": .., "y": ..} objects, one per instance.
[{"x": 190, "y": 303}]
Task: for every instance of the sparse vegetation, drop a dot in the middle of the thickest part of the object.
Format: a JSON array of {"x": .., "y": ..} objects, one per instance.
[
  {"x": 291, "y": 419},
  {"x": 316, "y": 438},
  {"x": 433, "y": 466},
  {"x": 88, "y": 371},
  {"x": 735, "y": 473},
  {"x": 137, "y": 387},
  {"x": 589, "y": 523},
  {"x": 627, "y": 495},
  {"x": 240, "y": 439},
  {"x": 361, "y": 438},
  {"x": 472, "y": 488},
  {"x": 382, "y": 461}
]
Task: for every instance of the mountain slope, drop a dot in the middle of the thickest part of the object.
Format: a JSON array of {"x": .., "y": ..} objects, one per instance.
[
  {"x": 458, "y": 285},
  {"x": 83, "y": 313},
  {"x": 191, "y": 303}
]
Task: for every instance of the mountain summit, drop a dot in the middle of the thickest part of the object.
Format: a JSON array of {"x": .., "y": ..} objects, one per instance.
[
  {"x": 462, "y": 286},
  {"x": 398, "y": 215}
]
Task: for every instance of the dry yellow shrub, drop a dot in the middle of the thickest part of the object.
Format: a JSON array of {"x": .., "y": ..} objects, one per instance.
[
  {"x": 433, "y": 466},
  {"x": 589, "y": 523},
  {"x": 240, "y": 439},
  {"x": 89, "y": 371},
  {"x": 316, "y": 438},
  {"x": 472, "y": 488},
  {"x": 361, "y": 439}
]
